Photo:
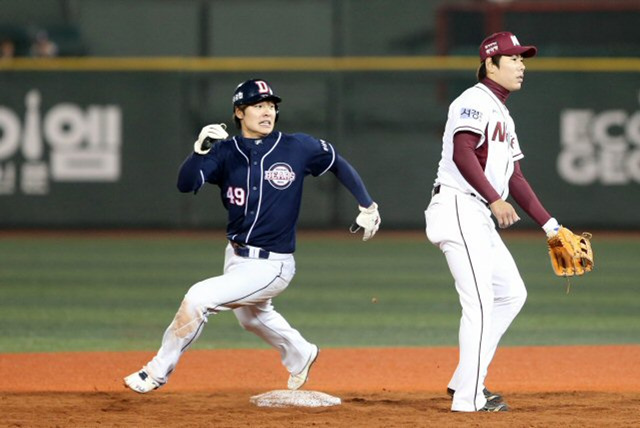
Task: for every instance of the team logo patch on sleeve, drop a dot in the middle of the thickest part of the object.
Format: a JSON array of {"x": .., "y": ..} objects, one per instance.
[
  {"x": 280, "y": 175},
  {"x": 469, "y": 113}
]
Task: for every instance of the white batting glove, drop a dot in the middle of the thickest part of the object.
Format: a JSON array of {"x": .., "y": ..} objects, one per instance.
[
  {"x": 208, "y": 136},
  {"x": 368, "y": 219}
]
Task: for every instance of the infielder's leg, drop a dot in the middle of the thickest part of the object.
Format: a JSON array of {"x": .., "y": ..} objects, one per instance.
[
  {"x": 471, "y": 274},
  {"x": 509, "y": 297},
  {"x": 265, "y": 322},
  {"x": 462, "y": 230},
  {"x": 509, "y": 293}
]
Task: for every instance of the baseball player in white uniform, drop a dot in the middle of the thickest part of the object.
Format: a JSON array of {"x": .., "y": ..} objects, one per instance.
[{"x": 479, "y": 169}]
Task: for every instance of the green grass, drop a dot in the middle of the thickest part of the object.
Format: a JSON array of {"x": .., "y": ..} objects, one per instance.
[{"x": 119, "y": 293}]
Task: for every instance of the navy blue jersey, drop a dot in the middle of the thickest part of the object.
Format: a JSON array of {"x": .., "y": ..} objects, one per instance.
[{"x": 260, "y": 183}]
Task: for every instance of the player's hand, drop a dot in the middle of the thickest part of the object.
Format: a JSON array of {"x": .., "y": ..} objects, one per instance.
[
  {"x": 208, "y": 136},
  {"x": 368, "y": 219},
  {"x": 504, "y": 212}
]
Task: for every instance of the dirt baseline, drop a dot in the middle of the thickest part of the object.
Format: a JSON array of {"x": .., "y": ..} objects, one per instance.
[{"x": 386, "y": 387}]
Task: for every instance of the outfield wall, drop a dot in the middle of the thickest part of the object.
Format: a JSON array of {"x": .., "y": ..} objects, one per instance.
[{"x": 98, "y": 142}]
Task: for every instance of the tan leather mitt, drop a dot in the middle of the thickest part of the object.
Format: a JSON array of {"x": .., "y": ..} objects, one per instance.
[{"x": 570, "y": 254}]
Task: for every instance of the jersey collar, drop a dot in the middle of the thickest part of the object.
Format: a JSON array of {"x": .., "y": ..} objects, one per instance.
[
  {"x": 501, "y": 93},
  {"x": 260, "y": 142}
]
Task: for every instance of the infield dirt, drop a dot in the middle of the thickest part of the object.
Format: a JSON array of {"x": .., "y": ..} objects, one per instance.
[{"x": 572, "y": 386}]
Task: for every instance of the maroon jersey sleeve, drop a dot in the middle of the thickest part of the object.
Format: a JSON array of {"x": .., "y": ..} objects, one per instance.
[
  {"x": 467, "y": 160},
  {"x": 524, "y": 196}
]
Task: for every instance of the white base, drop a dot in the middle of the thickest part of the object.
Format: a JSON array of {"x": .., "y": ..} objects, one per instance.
[{"x": 288, "y": 398}]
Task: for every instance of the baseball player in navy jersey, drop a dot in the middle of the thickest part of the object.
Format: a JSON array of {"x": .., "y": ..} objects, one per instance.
[
  {"x": 479, "y": 169},
  {"x": 260, "y": 174}
]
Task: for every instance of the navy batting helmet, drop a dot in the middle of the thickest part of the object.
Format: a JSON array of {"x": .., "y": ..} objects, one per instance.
[{"x": 254, "y": 91}]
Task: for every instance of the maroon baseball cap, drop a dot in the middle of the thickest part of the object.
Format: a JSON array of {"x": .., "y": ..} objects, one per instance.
[{"x": 504, "y": 43}]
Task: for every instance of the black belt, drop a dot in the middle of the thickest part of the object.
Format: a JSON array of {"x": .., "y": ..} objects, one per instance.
[
  {"x": 437, "y": 188},
  {"x": 243, "y": 251}
]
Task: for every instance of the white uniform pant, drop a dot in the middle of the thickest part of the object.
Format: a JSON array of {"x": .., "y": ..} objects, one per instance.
[
  {"x": 488, "y": 283},
  {"x": 246, "y": 287}
]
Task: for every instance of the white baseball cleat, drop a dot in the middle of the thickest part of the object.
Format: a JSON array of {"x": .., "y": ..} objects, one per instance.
[
  {"x": 141, "y": 382},
  {"x": 296, "y": 381}
]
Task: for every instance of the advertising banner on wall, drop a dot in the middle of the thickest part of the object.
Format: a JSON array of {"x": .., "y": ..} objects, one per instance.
[
  {"x": 581, "y": 137},
  {"x": 102, "y": 149},
  {"x": 88, "y": 149}
]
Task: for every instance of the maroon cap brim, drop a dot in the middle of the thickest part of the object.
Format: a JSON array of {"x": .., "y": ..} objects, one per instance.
[{"x": 525, "y": 51}]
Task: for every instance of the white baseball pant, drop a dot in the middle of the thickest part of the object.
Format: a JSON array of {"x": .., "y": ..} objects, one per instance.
[
  {"x": 488, "y": 283},
  {"x": 246, "y": 287}
]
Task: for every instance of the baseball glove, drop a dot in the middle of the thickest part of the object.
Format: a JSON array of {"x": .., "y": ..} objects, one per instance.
[{"x": 570, "y": 254}]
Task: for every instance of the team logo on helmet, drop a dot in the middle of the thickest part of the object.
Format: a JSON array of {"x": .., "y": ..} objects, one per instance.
[
  {"x": 280, "y": 175},
  {"x": 263, "y": 87},
  {"x": 253, "y": 91}
]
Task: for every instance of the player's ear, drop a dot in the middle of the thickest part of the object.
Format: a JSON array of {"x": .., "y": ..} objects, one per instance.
[
  {"x": 491, "y": 65},
  {"x": 238, "y": 115}
]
